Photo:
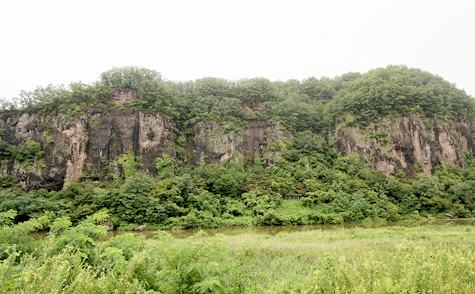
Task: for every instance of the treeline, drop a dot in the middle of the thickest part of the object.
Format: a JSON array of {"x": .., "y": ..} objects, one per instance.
[{"x": 311, "y": 104}]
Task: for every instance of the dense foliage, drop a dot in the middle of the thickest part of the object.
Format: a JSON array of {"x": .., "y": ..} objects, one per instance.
[
  {"x": 399, "y": 89},
  {"x": 311, "y": 104},
  {"x": 330, "y": 188},
  {"x": 27, "y": 151},
  {"x": 310, "y": 184}
]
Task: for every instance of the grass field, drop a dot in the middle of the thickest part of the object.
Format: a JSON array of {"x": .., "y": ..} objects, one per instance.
[
  {"x": 422, "y": 259},
  {"x": 426, "y": 259}
]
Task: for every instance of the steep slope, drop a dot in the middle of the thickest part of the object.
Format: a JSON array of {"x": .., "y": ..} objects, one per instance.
[
  {"x": 88, "y": 142},
  {"x": 82, "y": 142},
  {"x": 215, "y": 142},
  {"x": 406, "y": 141}
]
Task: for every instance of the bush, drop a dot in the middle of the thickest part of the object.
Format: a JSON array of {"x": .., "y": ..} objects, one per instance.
[
  {"x": 7, "y": 181},
  {"x": 29, "y": 151},
  {"x": 190, "y": 266}
]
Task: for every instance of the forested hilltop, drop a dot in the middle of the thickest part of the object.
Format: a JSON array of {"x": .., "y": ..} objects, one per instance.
[
  {"x": 394, "y": 143},
  {"x": 308, "y": 105}
]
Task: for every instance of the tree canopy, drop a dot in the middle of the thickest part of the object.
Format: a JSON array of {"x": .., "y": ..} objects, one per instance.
[{"x": 311, "y": 104}]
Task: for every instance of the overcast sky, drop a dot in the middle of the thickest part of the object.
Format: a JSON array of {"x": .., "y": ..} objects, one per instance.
[{"x": 53, "y": 42}]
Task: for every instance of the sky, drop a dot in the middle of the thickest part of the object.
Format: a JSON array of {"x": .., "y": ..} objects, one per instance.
[{"x": 58, "y": 42}]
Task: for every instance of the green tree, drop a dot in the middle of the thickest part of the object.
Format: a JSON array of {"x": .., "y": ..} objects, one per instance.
[
  {"x": 128, "y": 76},
  {"x": 133, "y": 201},
  {"x": 256, "y": 90},
  {"x": 129, "y": 163},
  {"x": 318, "y": 89},
  {"x": 165, "y": 166}
]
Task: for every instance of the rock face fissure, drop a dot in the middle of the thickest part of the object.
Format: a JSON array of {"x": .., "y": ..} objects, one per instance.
[
  {"x": 82, "y": 144},
  {"x": 399, "y": 142}
]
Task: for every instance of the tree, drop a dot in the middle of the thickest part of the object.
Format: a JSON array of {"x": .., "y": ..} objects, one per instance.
[
  {"x": 165, "y": 166},
  {"x": 317, "y": 89},
  {"x": 133, "y": 203},
  {"x": 7, "y": 105},
  {"x": 129, "y": 163},
  {"x": 256, "y": 90},
  {"x": 129, "y": 76}
]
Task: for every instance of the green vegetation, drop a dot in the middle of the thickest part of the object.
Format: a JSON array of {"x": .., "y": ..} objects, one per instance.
[
  {"x": 28, "y": 151},
  {"x": 309, "y": 105},
  {"x": 424, "y": 259},
  {"x": 331, "y": 189},
  {"x": 381, "y": 137},
  {"x": 399, "y": 89},
  {"x": 308, "y": 184}
]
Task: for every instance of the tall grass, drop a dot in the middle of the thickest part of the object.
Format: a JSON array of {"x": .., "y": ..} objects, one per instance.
[
  {"x": 427, "y": 259},
  {"x": 430, "y": 259}
]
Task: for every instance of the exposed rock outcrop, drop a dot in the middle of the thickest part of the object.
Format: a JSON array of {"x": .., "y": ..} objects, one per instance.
[
  {"x": 78, "y": 142},
  {"x": 82, "y": 141},
  {"x": 125, "y": 95},
  {"x": 400, "y": 141},
  {"x": 85, "y": 142},
  {"x": 215, "y": 142},
  {"x": 111, "y": 134},
  {"x": 141, "y": 228}
]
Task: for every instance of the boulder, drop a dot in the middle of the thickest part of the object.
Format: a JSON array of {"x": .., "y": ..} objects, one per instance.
[
  {"x": 108, "y": 223},
  {"x": 141, "y": 228}
]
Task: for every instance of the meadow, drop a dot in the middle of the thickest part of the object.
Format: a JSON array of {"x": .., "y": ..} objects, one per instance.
[
  {"x": 425, "y": 259},
  {"x": 433, "y": 258}
]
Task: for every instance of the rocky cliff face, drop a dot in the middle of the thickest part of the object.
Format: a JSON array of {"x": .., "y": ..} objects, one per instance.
[
  {"x": 215, "y": 142},
  {"x": 400, "y": 141},
  {"x": 79, "y": 142},
  {"x": 83, "y": 141}
]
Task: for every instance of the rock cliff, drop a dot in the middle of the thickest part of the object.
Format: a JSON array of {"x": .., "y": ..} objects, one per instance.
[
  {"x": 215, "y": 142},
  {"x": 400, "y": 141},
  {"x": 83, "y": 141}
]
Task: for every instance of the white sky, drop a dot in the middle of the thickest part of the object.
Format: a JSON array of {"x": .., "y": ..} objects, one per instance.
[{"x": 52, "y": 42}]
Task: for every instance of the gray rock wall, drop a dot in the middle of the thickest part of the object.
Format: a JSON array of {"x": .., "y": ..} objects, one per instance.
[
  {"x": 83, "y": 140},
  {"x": 410, "y": 138},
  {"x": 94, "y": 138},
  {"x": 215, "y": 142}
]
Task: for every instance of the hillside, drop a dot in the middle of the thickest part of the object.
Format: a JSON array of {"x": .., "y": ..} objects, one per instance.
[{"x": 223, "y": 152}]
